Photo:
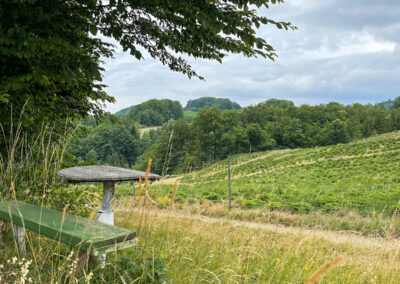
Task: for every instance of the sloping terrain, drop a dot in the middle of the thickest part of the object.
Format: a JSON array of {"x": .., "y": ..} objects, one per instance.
[{"x": 361, "y": 176}]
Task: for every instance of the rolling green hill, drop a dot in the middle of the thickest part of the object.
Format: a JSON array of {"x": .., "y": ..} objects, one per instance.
[
  {"x": 361, "y": 177},
  {"x": 123, "y": 111},
  {"x": 223, "y": 104}
]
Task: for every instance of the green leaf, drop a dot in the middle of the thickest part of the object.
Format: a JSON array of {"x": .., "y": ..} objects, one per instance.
[
  {"x": 4, "y": 98},
  {"x": 93, "y": 30}
]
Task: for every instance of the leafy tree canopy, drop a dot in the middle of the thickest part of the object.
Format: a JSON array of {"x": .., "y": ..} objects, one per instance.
[
  {"x": 274, "y": 124},
  {"x": 279, "y": 103},
  {"x": 222, "y": 104},
  {"x": 395, "y": 103},
  {"x": 155, "y": 112},
  {"x": 50, "y": 51}
]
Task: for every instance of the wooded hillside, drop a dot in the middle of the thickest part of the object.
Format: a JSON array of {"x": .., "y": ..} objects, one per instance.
[
  {"x": 274, "y": 124},
  {"x": 222, "y": 104}
]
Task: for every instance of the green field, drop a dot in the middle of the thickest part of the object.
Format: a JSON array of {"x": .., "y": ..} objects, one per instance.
[
  {"x": 189, "y": 115},
  {"x": 349, "y": 187},
  {"x": 145, "y": 129},
  {"x": 359, "y": 177}
]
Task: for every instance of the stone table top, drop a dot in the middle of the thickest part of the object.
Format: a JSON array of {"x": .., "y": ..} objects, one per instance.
[{"x": 102, "y": 173}]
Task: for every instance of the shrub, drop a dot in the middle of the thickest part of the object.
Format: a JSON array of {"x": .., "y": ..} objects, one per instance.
[
  {"x": 211, "y": 196},
  {"x": 273, "y": 205},
  {"x": 301, "y": 207},
  {"x": 163, "y": 202},
  {"x": 253, "y": 203}
]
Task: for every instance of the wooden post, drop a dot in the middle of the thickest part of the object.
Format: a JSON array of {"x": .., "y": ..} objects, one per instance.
[{"x": 229, "y": 182}]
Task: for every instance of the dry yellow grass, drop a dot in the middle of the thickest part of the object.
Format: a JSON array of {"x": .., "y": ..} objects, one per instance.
[{"x": 196, "y": 251}]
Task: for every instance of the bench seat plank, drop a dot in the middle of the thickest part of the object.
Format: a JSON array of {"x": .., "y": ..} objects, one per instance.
[{"x": 87, "y": 235}]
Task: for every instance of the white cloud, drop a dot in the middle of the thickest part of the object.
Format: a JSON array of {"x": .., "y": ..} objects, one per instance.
[
  {"x": 344, "y": 51},
  {"x": 347, "y": 44}
]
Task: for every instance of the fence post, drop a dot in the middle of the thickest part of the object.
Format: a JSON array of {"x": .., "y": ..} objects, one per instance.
[{"x": 229, "y": 181}]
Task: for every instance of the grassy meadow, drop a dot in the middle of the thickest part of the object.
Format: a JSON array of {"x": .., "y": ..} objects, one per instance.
[
  {"x": 144, "y": 130},
  {"x": 290, "y": 211},
  {"x": 196, "y": 251},
  {"x": 189, "y": 115},
  {"x": 345, "y": 187},
  {"x": 359, "y": 177}
]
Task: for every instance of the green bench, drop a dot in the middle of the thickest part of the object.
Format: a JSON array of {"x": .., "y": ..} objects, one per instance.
[{"x": 91, "y": 237}]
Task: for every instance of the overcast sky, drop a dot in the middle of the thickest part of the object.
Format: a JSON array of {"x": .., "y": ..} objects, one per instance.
[{"x": 345, "y": 51}]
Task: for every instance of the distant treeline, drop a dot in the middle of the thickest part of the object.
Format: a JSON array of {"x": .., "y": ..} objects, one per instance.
[
  {"x": 274, "y": 124},
  {"x": 156, "y": 112},
  {"x": 113, "y": 142},
  {"x": 222, "y": 104},
  {"x": 180, "y": 146}
]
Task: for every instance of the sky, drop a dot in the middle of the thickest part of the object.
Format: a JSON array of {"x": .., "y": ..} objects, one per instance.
[{"x": 343, "y": 51}]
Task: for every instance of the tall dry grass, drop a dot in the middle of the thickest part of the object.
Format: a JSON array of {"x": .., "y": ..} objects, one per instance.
[
  {"x": 196, "y": 251},
  {"x": 28, "y": 164},
  {"x": 28, "y": 167}
]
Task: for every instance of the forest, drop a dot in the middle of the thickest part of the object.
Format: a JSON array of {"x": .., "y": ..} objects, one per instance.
[
  {"x": 154, "y": 112},
  {"x": 222, "y": 104},
  {"x": 181, "y": 146}
]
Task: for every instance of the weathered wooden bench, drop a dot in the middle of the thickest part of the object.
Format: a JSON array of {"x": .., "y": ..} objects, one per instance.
[{"x": 90, "y": 237}]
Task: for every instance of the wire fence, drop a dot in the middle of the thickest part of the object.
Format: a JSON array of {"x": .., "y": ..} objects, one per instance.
[{"x": 178, "y": 165}]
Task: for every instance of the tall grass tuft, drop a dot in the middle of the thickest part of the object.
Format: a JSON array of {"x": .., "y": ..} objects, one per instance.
[
  {"x": 146, "y": 184},
  {"x": 150, "y": 202},
  {"x": 28, "y": 167},
  {"x": 324, "y": 268}
]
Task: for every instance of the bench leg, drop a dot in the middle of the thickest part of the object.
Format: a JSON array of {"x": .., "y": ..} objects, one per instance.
[
  {"x": 1, "y": 232},
  {"x": 83, "y": 262},
  {"x": 107, "y": 218},
  {"x": 105, "y": 214},
  {"x": 19, "y": 234}
]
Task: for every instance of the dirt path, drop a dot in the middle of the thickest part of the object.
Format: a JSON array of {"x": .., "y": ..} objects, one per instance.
[
  {"x": 166, "y": 181},
  {"x": 332, "y": 236}
]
